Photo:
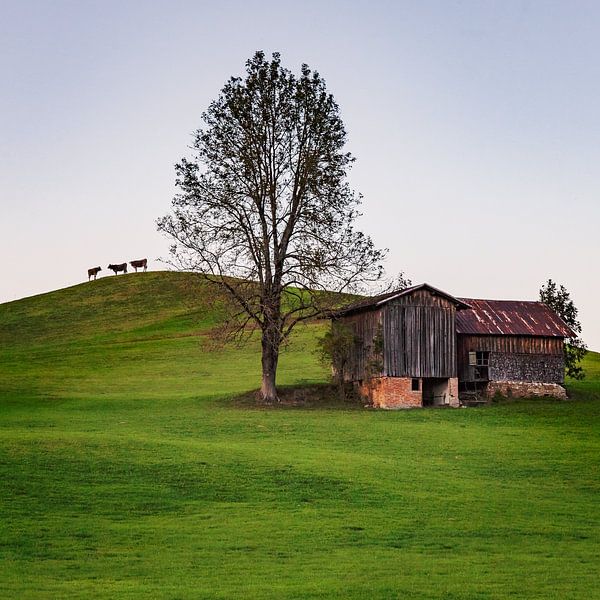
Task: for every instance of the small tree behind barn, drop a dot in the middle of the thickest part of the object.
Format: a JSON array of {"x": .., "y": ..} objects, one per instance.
[
  {"x": 559, "y": 300},
  {"x": 264, "y": 208}
]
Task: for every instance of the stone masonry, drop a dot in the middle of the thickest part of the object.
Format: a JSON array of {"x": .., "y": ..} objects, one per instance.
[
  {"x": 545, "y": 368},
  {"x": 523, "y": 389}
]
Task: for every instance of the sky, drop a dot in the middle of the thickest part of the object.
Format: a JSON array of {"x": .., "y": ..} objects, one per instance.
[{"x": 475, "y": 127}]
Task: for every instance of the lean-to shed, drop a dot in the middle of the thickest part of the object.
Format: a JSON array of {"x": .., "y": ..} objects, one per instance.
[{"x": 515, "y": 348}]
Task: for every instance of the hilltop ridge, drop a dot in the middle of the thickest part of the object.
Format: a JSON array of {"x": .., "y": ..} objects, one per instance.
[{"x": 109, "y": 305}]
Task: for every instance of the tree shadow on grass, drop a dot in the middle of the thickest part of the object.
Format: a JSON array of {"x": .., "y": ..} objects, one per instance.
[{"x": 312, "y": 396}]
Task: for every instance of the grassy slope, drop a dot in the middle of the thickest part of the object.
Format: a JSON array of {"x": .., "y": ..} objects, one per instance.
[
  {"x": 130, "y": 337},
  {"x": 127, "y": 473}
]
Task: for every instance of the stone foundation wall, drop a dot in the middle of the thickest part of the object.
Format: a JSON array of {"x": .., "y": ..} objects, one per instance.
[
  {"x": 397, "y": 392},
  {"x": 523, "y": 389}
]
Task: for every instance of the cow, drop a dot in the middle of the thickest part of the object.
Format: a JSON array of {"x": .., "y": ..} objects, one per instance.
[
  {"x": 138, "y": 264},
  {"x": 93, "y": 272},
  {"x": 118, "y": 268}
]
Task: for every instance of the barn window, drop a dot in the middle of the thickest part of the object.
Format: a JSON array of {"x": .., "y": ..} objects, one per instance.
[
  {"x": 479, "y": 358},
  {"x": 415, "y": 385},
  {"x": 483, "y": 359}
]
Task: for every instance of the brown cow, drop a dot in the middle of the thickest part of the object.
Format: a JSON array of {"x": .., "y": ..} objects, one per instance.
[
  {"x": 138, "y": 264},
  {"x": 93, "y": 272},
  {"x": 118, "y": 268}
]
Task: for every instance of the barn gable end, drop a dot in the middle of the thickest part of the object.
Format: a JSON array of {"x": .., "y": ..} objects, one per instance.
[{"x": 405, "y": 351}]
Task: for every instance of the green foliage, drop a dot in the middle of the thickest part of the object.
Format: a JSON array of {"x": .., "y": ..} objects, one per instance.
[
  {"x": 559, "y": 300},
  {"x": 575, "y": 350},
  {"x": 335, "y": 349},
  {"x": 128, "y": 472}
]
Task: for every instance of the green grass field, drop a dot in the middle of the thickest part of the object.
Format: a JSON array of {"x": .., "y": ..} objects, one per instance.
[{"x": 128, "y": 472}]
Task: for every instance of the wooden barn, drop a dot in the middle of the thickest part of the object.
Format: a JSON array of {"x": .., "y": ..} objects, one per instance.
[{"x": 423, "y": 347}]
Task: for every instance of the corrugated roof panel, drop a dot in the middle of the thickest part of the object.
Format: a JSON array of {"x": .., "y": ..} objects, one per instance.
[{"x": 510, "y": 317}]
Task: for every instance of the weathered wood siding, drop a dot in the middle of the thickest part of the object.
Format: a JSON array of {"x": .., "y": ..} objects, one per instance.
[
  {"x": 514, "y": 358},
  {"x": 419, "y": 339},
  {"x": 416, "y": 335}
]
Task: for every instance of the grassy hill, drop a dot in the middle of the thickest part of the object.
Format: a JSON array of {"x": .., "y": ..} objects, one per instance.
[
  {"x": 127, "y": 472},
  {"x": 132, "y": 337}
]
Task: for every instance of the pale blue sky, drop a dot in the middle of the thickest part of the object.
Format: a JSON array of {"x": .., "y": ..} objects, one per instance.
[{"x": 476, "y": 128}]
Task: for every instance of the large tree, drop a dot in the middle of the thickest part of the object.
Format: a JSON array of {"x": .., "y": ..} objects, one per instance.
[
  {"x": 264, "y": 208},
  {"x": 559, "y": 300}
]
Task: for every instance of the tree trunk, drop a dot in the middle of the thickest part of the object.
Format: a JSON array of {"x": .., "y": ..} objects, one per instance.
[{"x": 270, "y": 357}]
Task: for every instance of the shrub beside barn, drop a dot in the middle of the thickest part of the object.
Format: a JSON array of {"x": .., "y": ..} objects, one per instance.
[{"x": 423, "y": 347}]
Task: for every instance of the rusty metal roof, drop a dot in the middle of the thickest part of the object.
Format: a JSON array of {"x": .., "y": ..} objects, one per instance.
[
  {"x": 510, "y": 317},
  {"x": 376, "y": 301}
]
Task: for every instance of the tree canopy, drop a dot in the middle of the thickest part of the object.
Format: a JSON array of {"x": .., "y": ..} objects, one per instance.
[
  {"x": 264, "y": 207},
  {"x": 559, "y": 300}
]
